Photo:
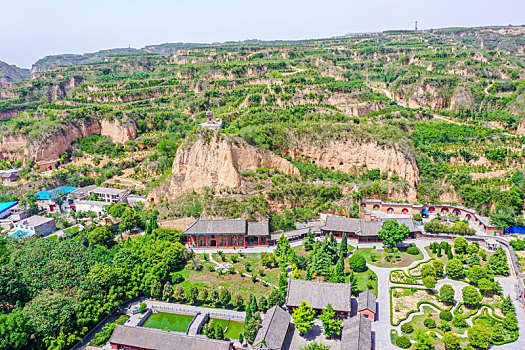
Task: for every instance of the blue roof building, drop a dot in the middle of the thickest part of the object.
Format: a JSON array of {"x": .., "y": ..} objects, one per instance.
[
  {"x": 55, "y": 193},
  {"x": 4, "y": 208}
]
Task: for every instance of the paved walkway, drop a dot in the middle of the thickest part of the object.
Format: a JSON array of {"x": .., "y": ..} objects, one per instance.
[
  {"x": 382, "y": 327},
  {"x": 508, "y": 285},
  {"x": 197, "y": 324}
]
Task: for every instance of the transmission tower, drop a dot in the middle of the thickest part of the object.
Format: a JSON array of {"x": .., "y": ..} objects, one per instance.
[{"x": 416, "y": 26}]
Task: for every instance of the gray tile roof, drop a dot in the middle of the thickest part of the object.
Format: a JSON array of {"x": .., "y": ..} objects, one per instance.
[
  {"x": 209, "y": 227},
  {"x": 258, "y": 228},
  {"x": 369, "y": 228},
  {"x": 319, "y": 294},
  {"x": 148, "y": 338},
  {"x": 367, "y": 300},
  {"x": 273, "y": 330},
  {"x": 357, "y": 333},
  {"x": 341, "y": 224}
]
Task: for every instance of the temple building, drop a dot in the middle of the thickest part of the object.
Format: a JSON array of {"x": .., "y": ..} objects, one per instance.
[{"x": 237, "y": 233}]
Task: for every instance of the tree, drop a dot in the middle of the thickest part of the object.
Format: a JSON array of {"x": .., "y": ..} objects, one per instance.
[
  {"x": 498, "y": 332},
  {"x": 214, "y": 297},
  {"x": 282, "y": 248},
  {"x": 428, "y": 270},
  {"x": 451, "y": 341},
  {"x": 276, "y": 297},
  {"x": 438, "y": 266},
  {"x": 510, "y": 322},
  {"x": 15, "y": 331},
  {"x": 209, "y": 329},
  {"x": 219, "y": 332},
  {"x": 507, "y": 306},
  {"x": 403, "y": 342},
  {"x": 283, "y": 282},
  {"x": 472, "y": 248},
  {"x": 167, "y": 291},
  {"x": 497, "y": 263},
  {"x": 309, "y": 275},
  {"x": 423, "y": 340},
  {"x": 192, "y": 294},
  {"x": 303, "y": 317},
  {"x": 429, "y": 282},
  {"x": 203, "y": 294},
  {"x": 487, "y": 286},
  {"x": 447, "y": 293},
  {"x": 50, "y": 313},
  {"x": 353, "y": 283},
  {"x": 224, "y": 296},
  {"x": 454, "y": 269},
  {"x": 471, "y": 295},
  {"x": 357, "y": 263},
  {"x": 479, "y": 336},
  {"x": 129, "y": 220},
  {"x": 392, "y": 233},
  {"x": 263, "y": 304},
  {"x": 460, "y": 245},
  {"x": 251, "y": 327},
  {"x": 339, "y": 275},
  {"x": 331, "y": 325},
  {"x": 309, "y": 241},
  {"x": 180, "y": 293},
  {"x": 474, "y": 260},
  {"x": 156, "y": 289},
  {"x": 344, "y": 244},
  {"x": 101, "y": 235},
  {"x": 476, "y": 273},
  {"x": 143, "y": 307}
]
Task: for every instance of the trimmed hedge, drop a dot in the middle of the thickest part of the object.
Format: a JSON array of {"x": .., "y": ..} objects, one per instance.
[
  {"x": 417, "y": 265},
  {"x": 417, "y": 306},
  {"x": 405, "y": 274}
]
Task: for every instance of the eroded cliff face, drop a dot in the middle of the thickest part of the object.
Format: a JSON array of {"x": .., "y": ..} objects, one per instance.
[
  {"x": 49, "y": 149},
  {"x": 347, "y": 155},
  {"x": 119, "y": 132},
  {"x": 216, "y": 161}
]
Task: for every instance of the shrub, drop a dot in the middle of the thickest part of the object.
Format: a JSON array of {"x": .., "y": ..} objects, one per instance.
[
  {"x": 447, "y": 293},
  {"x": 143, "y": 307},
  {"x": 445, "y": 315},
  {"x": 403, "y": 342},
  {"x": 429, "y": 282},
  {"x": 429, "y": 323},
  {"x": 413, "y": 250},
  {"x": 459, "y": 321},
  {"x": 357, "y": 263},
  {"x": 444, "y": 326},
  {"x": 407, "y": 328},
  {"x": 471, "y": 296}
]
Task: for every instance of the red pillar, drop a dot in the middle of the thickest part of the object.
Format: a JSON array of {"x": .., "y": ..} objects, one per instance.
[
  {"x": 196, "y": 239},
  {"x": 258, "y": 240},
  {"x": 226, "y": 241},
  {"x": 206, "y": 241}
]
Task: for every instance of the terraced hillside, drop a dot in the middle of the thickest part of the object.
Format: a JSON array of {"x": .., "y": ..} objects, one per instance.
[{"x": 308, "y": 125}]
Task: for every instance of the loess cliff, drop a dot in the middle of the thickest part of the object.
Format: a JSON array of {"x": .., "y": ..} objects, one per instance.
[
  {"x": 217, "y": 161},
  {"x": 47, "y": 150}
]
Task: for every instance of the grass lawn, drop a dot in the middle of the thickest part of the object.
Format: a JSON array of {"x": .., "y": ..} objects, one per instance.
[
  {"x": 251, "y": 263},
  {"x": 169, "y": 321},
  {"x": 235, "y": 283},
  {"x": 378, "y": 258},
  {"x": 235, "y": 328},
  {"x": 418, "y": 323},
  {"x": 363, "y": 278}
]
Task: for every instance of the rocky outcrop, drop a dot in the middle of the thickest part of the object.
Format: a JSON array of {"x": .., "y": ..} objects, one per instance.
[
  {"x": 215, "y": 160},
  {"x": 348, "y": 155},
  {"x": 48, "y": 149},
  {"x": 119, "y": 132}
]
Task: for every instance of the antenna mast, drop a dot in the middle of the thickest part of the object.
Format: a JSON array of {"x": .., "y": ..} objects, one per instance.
[{"x": 416, "y": 26}]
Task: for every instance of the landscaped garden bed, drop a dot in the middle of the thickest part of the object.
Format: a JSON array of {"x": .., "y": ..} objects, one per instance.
[{"x": 388, "y": 258}]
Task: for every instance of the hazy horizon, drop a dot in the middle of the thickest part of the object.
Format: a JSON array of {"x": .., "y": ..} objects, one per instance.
[{"x": 33, "y": 29}]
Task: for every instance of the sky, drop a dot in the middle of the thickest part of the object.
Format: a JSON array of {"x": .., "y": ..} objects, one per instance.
[{"x": 32, "y": 29}]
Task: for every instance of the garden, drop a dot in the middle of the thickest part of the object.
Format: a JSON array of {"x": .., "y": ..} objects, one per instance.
[
  {"x": 468, "y": 307},
  {"x": 397, "y": 257}
]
